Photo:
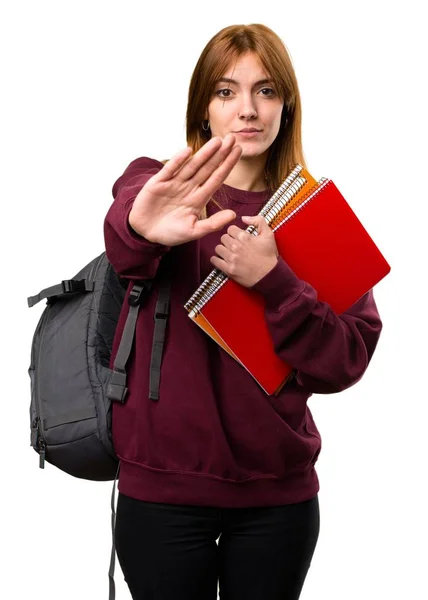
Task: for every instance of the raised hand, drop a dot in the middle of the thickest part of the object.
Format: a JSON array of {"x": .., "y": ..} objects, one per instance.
[{"x": 167, "y": 209}]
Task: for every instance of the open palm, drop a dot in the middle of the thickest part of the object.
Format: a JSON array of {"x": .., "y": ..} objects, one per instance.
[{"x": 167, "y": 210}]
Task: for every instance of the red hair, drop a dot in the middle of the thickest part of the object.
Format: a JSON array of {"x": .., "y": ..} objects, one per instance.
[{"x": 222, "y": 50}]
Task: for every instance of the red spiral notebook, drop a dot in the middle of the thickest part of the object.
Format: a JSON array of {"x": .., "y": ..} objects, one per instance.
[{"x": 322, "y": 240}]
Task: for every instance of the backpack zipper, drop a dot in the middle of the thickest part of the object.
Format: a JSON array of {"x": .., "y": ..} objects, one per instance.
[
  {"x": 40, "y": 442},
  {"x": 42, "y": 453}
]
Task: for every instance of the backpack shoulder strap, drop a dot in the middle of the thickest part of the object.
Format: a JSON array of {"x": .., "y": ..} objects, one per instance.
[
  {"x": 161, "y": 318},
  {"x": 116, "y": 389}
]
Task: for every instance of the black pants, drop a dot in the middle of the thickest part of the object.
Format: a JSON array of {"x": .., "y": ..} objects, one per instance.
[{"x": 169, "y": 552}]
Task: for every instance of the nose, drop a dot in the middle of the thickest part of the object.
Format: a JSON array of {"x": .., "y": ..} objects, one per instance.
[{"x": 247, "y": 108}]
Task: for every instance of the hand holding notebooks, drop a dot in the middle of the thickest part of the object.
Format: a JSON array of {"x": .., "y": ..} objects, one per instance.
[{"x": 323, "y": 242}]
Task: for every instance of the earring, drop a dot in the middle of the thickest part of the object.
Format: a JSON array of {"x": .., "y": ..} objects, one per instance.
[{"x": 207, "y": 126}]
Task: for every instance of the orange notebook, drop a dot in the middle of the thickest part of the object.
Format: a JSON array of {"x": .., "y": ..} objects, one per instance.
[{"x": 324, "y": 243}]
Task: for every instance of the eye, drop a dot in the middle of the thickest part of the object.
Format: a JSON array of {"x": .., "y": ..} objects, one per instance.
[
  {"x": 270, "y": 92},
  {"x": 224, "y": 93}
]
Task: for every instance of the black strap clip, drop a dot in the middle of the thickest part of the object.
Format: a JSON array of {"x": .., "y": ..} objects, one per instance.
[
  {"x": 116, "y": 388},
  {"x": 73, "y": 286},
  {"x": 135, "y": 296}
]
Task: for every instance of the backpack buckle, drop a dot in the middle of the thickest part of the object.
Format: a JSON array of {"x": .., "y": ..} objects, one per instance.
[
  {"x": 134, "y": 298},
  {"x": 70, "y": 286},
  {"x": 116, "y": 388}
]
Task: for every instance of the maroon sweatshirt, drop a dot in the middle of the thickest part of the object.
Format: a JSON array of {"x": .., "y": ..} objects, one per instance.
[{"x": 215, "y": 438}]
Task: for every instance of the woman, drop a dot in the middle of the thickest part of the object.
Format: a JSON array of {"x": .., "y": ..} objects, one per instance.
[{"x": 215, "y": 457}]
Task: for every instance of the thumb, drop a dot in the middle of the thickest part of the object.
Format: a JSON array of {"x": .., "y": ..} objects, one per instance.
[{"x": 257, "y": 221}]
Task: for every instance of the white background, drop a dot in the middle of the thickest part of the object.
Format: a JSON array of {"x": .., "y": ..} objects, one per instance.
[{"x": 87, "y": 86}]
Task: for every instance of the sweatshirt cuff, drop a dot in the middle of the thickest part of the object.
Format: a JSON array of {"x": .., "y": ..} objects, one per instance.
[{"x": 280, "y": 286}]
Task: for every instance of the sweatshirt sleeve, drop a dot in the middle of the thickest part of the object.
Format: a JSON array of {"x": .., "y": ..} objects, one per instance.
[
  {"x": 329, "y": 352},
  {"x": 131, "y": 255}
]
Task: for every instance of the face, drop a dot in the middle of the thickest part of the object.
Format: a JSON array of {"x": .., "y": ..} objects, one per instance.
[{"x": 244, "y": 98}]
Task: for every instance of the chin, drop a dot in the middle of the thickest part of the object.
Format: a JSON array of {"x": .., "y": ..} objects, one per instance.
[{"x": 248, "y": 153}]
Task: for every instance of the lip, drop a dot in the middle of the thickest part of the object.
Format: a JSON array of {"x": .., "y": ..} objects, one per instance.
[
  {"x": 249, "y": 130},
  {"x": 248, "y": 134}
]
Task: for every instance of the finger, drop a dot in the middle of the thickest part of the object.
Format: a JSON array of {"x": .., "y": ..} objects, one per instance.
[
  {"x": 219, "y": 263},
  {"x": 200, "y": 157},
  {"x": 227, "y": 241},
  {"x": 213, "y": 223},
  {"x": 174, "y": 164},
  {"x": 232, "y": 244},
  {"x": 219, "y": 175},
  {"x": 201, "y": 174},
  {"x": 223, "y": 252},
  {"x": 184, "y": 157},
  {"x": 235, "y": 232},
  {"x": 257, "y": 225},
  {"x": 257, "y": 220}
]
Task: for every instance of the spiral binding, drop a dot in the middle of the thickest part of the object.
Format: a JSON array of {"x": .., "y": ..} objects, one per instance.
[
  {"x": 323, "y": 182},
  {"x": 205, "y": 291},
  {"x": 279, "y": 206},
  {"x": 283, "y": 188},
  {"x": 291, "y": 205},
  {"x": 216, "y": 279}
]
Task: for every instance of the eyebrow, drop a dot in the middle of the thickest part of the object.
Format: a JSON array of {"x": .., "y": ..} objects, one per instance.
[{"x": 228, "y": 80}]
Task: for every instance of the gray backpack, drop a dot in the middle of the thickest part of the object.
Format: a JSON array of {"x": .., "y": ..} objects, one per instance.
[{"x": 72, "y": 387}]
